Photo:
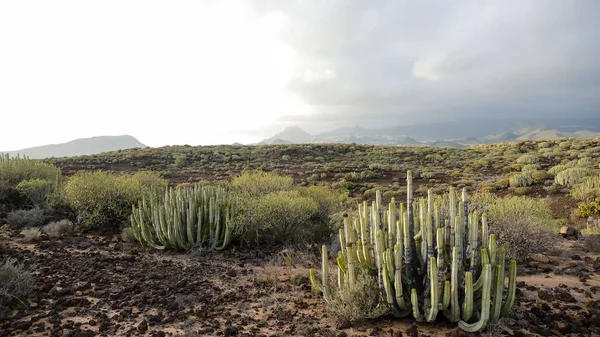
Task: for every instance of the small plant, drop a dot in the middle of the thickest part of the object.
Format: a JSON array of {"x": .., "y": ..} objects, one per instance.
[
  {"x": 58, "y": 228},
  {"x": 587, "y": 209},
  {"x": 31, "y": 234},
  {"x": 16, "y": 282},
  {"x": 522, "y": 179},
  {"x": 554, "y": 170},
  {"x": 37, "y": 190},
  {"x": 572, "y": 175},
  {"x": 128, "y": 235},
  {"x": 528, "y": 159},
  {"x": 363, "y": 301},
  {"x": 26, "y": 218}
]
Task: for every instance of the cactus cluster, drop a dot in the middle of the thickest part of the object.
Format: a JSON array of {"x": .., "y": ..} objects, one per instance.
[
  {"x": 188, "y": 217},
  {"x": 428, "y": 258}
]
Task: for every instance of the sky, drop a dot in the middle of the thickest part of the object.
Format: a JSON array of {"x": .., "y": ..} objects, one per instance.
[{"x": 218, "y": 72}]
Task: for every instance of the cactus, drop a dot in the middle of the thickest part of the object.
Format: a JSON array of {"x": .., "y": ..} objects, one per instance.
[
  {"x": 427, "y": 259},
  {"x": 188, "y": 217}
]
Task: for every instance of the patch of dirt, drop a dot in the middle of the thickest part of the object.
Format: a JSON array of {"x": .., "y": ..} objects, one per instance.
[{"x": 100, "y": 286}]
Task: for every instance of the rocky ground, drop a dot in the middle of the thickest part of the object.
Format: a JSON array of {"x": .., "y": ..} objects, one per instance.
[{"x": 101, "y": 286}]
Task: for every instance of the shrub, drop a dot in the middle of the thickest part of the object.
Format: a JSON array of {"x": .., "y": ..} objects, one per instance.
[
  {"x": 280, "y": 216},
  {"x": 554, "y": 170},
  {"x": 539, "y": 176},
  {"x": 58, "y": 228},
  {"x": 31, "y": 234},
  {"x": 259, "y": 183},
  {"x": 572, "y": 175},
  {"x": 585, "y": 162},
  {"x": 37, "y": 190},
  {"x": 16, "y": 282},
  {"x": 524, "y": 224},
  {"x": 16, "y": 169},
  {"x": 530, "y": 167},
  {"x": 127, "y": 235},
  {"x": 587, "y": 209},
  {"x": 520, "y": 179},
  {"x": 103, "y": 200},
  {"x": 588, "y": 189},
  {"x": 528, "y": 159},
  {"x": 10, "y": 198},
  {"x": 361, "y": 302},
  {"x": 26, "y": 218}
]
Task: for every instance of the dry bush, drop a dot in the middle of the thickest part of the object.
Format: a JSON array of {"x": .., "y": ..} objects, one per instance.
[
  {"x": 525, "y": 225},
  {"x": 16, "y": 282},
  {"x": 364, "y": 301},
  {"x": 58, "y": 228}
]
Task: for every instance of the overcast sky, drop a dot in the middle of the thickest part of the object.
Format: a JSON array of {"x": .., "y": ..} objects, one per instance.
[{"x": 210, "y": 72}]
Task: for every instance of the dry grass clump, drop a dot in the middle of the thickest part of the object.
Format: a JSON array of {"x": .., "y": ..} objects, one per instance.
[
  {"x": 359, "y": 303},
  {"x": 31, "y": 234},
  {"x": 16, "y": 282},
  {"x": 59, "y": 228}
]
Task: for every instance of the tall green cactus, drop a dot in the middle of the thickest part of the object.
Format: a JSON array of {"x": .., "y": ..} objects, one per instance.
[
  {"x": 187, "y": 217},
  {"x": 427, "y": 259}
]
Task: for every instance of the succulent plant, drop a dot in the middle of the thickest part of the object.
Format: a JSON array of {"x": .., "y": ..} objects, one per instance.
[
  {"x": 189, "y": 217},
  {"x": 428, "y": 258}
]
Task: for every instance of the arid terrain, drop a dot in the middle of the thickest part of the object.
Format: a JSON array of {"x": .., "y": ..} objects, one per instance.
[{"x": 100, "y": 286}]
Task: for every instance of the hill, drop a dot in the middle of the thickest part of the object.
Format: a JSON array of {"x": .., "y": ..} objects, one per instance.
[{"x": 79, "y": 147}]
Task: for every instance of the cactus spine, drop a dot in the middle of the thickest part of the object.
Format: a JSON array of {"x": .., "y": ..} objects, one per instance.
[
  {"x": 427, "y": 259},
  {"x": 188, "y": 217}
]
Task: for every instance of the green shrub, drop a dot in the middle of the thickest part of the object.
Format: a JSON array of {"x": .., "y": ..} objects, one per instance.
[
  {"x": 258, "y": 183},
  {"x": 539, "y": 176},
  {"x": 524, "y": 224},
  {"x": 572, "y": 175},
  {"x": 554, "y": 170},
  {"x": 16, "y": 283},
  {"x": 281, "y": 215},
  {"x": 531, "y": 167},
  {"x": 37, "y": 190},
  {"x": 520, "y": 179},
  {"x": 585, "y": 162},
  {"x": 16, "y": 169},
  {"x": 103, "y": 200},
  {"x": 11, "y": 199},
  {"x": 587, "y": 189},
  {"x": 26, "y": 218},
  {"x": 528, "y": 159},
  {"x": 587, "y": 209}
]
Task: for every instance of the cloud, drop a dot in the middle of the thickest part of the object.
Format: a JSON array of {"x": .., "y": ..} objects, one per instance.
[{"x": 399, "y": 61}]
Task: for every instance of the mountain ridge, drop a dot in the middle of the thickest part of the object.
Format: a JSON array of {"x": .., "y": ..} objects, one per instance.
[
  {"x": 79, "y": 147},
  {"x": 450, "y": 134}
]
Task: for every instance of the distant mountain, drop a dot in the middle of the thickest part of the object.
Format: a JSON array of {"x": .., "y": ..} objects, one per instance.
[
  {"x": 290, "y": 135},
  {"x": 79, "y": 147},
  {"x": 448, "y": 134}
]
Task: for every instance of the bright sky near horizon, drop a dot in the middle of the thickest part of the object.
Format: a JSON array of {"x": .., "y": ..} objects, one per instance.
[
  {"x": 215, "y": 72},
  {"x": 185, "y": 72}
]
